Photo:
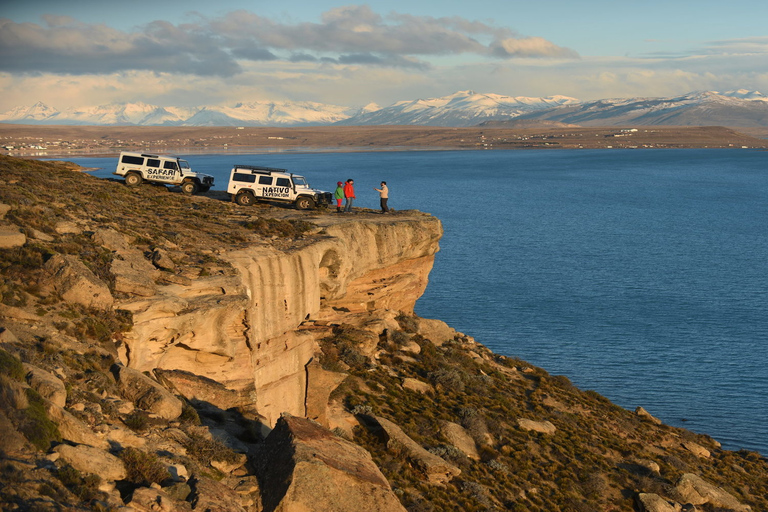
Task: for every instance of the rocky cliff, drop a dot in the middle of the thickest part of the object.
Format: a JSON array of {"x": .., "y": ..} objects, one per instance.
[{"x": 165, "y": 352}]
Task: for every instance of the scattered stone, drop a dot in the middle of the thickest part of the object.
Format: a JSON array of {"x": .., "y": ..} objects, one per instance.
[
  {"x": 646, "y": 415},
  {"x": 11, "y": 237},
  {"x": 304, "y": 466},
  {"x": 46, "y": 384},
  {"x": 93, "y": 461},
  {"x": 39, "y": 235},
  {"x": 417, "y": 385},
  {"x": 120, "y": 437},
  {"x": 460, "y": 439},
  {"x": 545, "y": 427},
  {"x": 4, "y": 209},
  {"x": 77, "y": 284},
  {"x": 693, "y": 489},
  {"x": 7, "y": 336},
  {"x": 437, "y": 470},
  {"x": 146, "y": 393},
  {"x": 411, "y": 347}
]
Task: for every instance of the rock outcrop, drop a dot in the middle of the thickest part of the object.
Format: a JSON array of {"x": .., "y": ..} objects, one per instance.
[{"x": 306, "y": 467}]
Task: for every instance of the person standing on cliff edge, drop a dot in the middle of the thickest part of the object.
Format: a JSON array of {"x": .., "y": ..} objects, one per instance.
[
  {"x": 339, "y": 195},
  {"x": 349, "y": 193},
  {"x": 384, "y": 195}
]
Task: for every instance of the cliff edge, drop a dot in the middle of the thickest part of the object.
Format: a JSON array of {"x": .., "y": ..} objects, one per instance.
[{"x": 166, "y": 352}]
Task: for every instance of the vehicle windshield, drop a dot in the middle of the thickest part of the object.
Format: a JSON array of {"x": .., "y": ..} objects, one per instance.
[
  {"x": 300, "y": 181},
  {"x": 183, "y": 164}
]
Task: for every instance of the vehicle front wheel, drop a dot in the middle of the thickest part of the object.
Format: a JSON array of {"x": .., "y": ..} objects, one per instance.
[
  {"x": 245, "y": 199},
  {"x": 305, "y": 203},
  {"x": 204, "y": 188},
  {"x": 132, "y": 179},
  {"x": 189, "y": 187}
]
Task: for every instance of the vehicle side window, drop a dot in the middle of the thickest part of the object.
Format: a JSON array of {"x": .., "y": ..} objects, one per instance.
[
  {"x": 266, "y": 180},
  {"x": 133, "y": 160},
  {"x": 170, "y": 165},
  {"x": 248, "y": 178},
  {"x": 153, "y": 162},
  {"x": 283, "y": 182}
]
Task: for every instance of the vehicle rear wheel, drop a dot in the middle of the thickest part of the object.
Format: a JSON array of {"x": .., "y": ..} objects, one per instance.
[
  {"x": 132, "y": 179},
  {"x": 245, "y": 199},
  {"x": 305, "y": 203},
  {"x": 189, "y": 187}
]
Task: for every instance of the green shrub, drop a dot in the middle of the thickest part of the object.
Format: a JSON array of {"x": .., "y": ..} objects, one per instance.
[
  {"x": 35, "y": 424},
  {"x": 143, "y": 469},
  {"x": 10, "y": 366}
]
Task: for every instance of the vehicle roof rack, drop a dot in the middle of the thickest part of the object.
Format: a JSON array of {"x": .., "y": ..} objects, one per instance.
[{"x": 260, "y": 168}]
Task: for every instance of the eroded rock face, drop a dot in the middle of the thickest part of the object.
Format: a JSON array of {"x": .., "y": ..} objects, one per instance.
[
  {"x": 241, "y": 330},
  {"x": 307, "y": 467}
]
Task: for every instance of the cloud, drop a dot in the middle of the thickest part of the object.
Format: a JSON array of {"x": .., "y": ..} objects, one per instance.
[{"x": 219, "y": 47}]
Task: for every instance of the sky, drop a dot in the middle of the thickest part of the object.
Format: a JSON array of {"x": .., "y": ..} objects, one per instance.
[{"x": 86, "y": 53}]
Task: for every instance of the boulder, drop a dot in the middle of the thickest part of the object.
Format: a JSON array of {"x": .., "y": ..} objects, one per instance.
[
  {"x": 94, "y": 461},
  {"x": 696, "y": 449},
  {"x": 46, "y": 384},
  {"x": 695, "y": 490},
  {"x": 646, "y": 415},
  {"x": 11, "y": 237},
  {"x": 77, "y": 284},
  {"x": 544, "y": 427},
  {"x": 208, "y": 495},
  {"x": 162, "y": 260},
  {"x": 201, "y": 389},
  {"x": 147, "y": 499},
  {"x": 654, "y": 503},
  {"x": 320, "y": 385},
  {"x": 4, "y": 209},
  {"x": 459, "y": 439},
  {"x": 132, "y": 280},
  {"x": 435, "y": 331},
  {"x": 417, "y": 385},
  {"x": 146, "y": 393},
  {"x": 72, "y": 429},
  {"x": 305, "y": 467},
  {"x": 437, "y": 470},
  {"x": 67, "y": 227}
]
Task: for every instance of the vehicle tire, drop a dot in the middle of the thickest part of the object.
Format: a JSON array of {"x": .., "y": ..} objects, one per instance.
[
  {"x": 133, "y": 180},
  {"x": 245, "y": 199},
  {"x": 203, "y": 189},
  {"x": 305, "y": 203},
  {"x": 189, "y": 187}
]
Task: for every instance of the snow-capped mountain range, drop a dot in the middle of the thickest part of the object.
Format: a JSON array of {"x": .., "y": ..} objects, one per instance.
[{"x": 739, "y": 108}]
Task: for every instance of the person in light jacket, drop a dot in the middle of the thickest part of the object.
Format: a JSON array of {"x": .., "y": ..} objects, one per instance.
[
  {"x": 349, "y": 194},
  {"x": 384, "y": 196},
  {"x": 339, "y": 195}
]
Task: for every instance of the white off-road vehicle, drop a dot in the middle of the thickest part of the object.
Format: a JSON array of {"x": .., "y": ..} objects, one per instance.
[
  {"x": 169, "y": 170},
  {"x": 250, "y": 183}
]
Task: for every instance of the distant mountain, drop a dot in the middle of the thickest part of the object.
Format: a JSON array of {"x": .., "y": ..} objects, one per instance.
[
  {"x": 733, "y": 108},
  {"x": 738, "y": 108},
  {"x": 303, "y": 113},
  {"x": 464, "y": 108}
]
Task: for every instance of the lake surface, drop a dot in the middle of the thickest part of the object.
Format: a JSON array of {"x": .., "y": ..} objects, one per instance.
[{"x": 640, "y": 274}]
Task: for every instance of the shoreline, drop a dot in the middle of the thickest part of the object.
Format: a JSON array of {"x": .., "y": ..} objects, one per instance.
[{"x": 53, "y": 141}]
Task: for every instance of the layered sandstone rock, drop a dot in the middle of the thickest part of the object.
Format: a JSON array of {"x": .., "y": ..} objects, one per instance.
[{"x": 244, "y": 330}]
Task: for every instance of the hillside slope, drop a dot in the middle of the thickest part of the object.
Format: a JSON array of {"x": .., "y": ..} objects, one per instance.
[{"x": 152, "y": 343}]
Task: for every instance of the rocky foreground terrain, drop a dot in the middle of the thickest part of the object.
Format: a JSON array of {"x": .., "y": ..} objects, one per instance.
[{"x": 160, "y": 352}]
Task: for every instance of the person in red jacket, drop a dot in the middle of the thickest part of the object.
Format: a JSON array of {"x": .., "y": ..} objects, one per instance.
[{"x": 349, "y": 194}]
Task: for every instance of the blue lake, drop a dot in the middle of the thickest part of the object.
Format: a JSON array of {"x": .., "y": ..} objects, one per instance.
[{"x": 640, "y": 274}]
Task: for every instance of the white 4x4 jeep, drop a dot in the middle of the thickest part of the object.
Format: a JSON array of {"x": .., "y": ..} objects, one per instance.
[
  {"x": 170, "y": 170},
  {"x": 249, "y": 183}
]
